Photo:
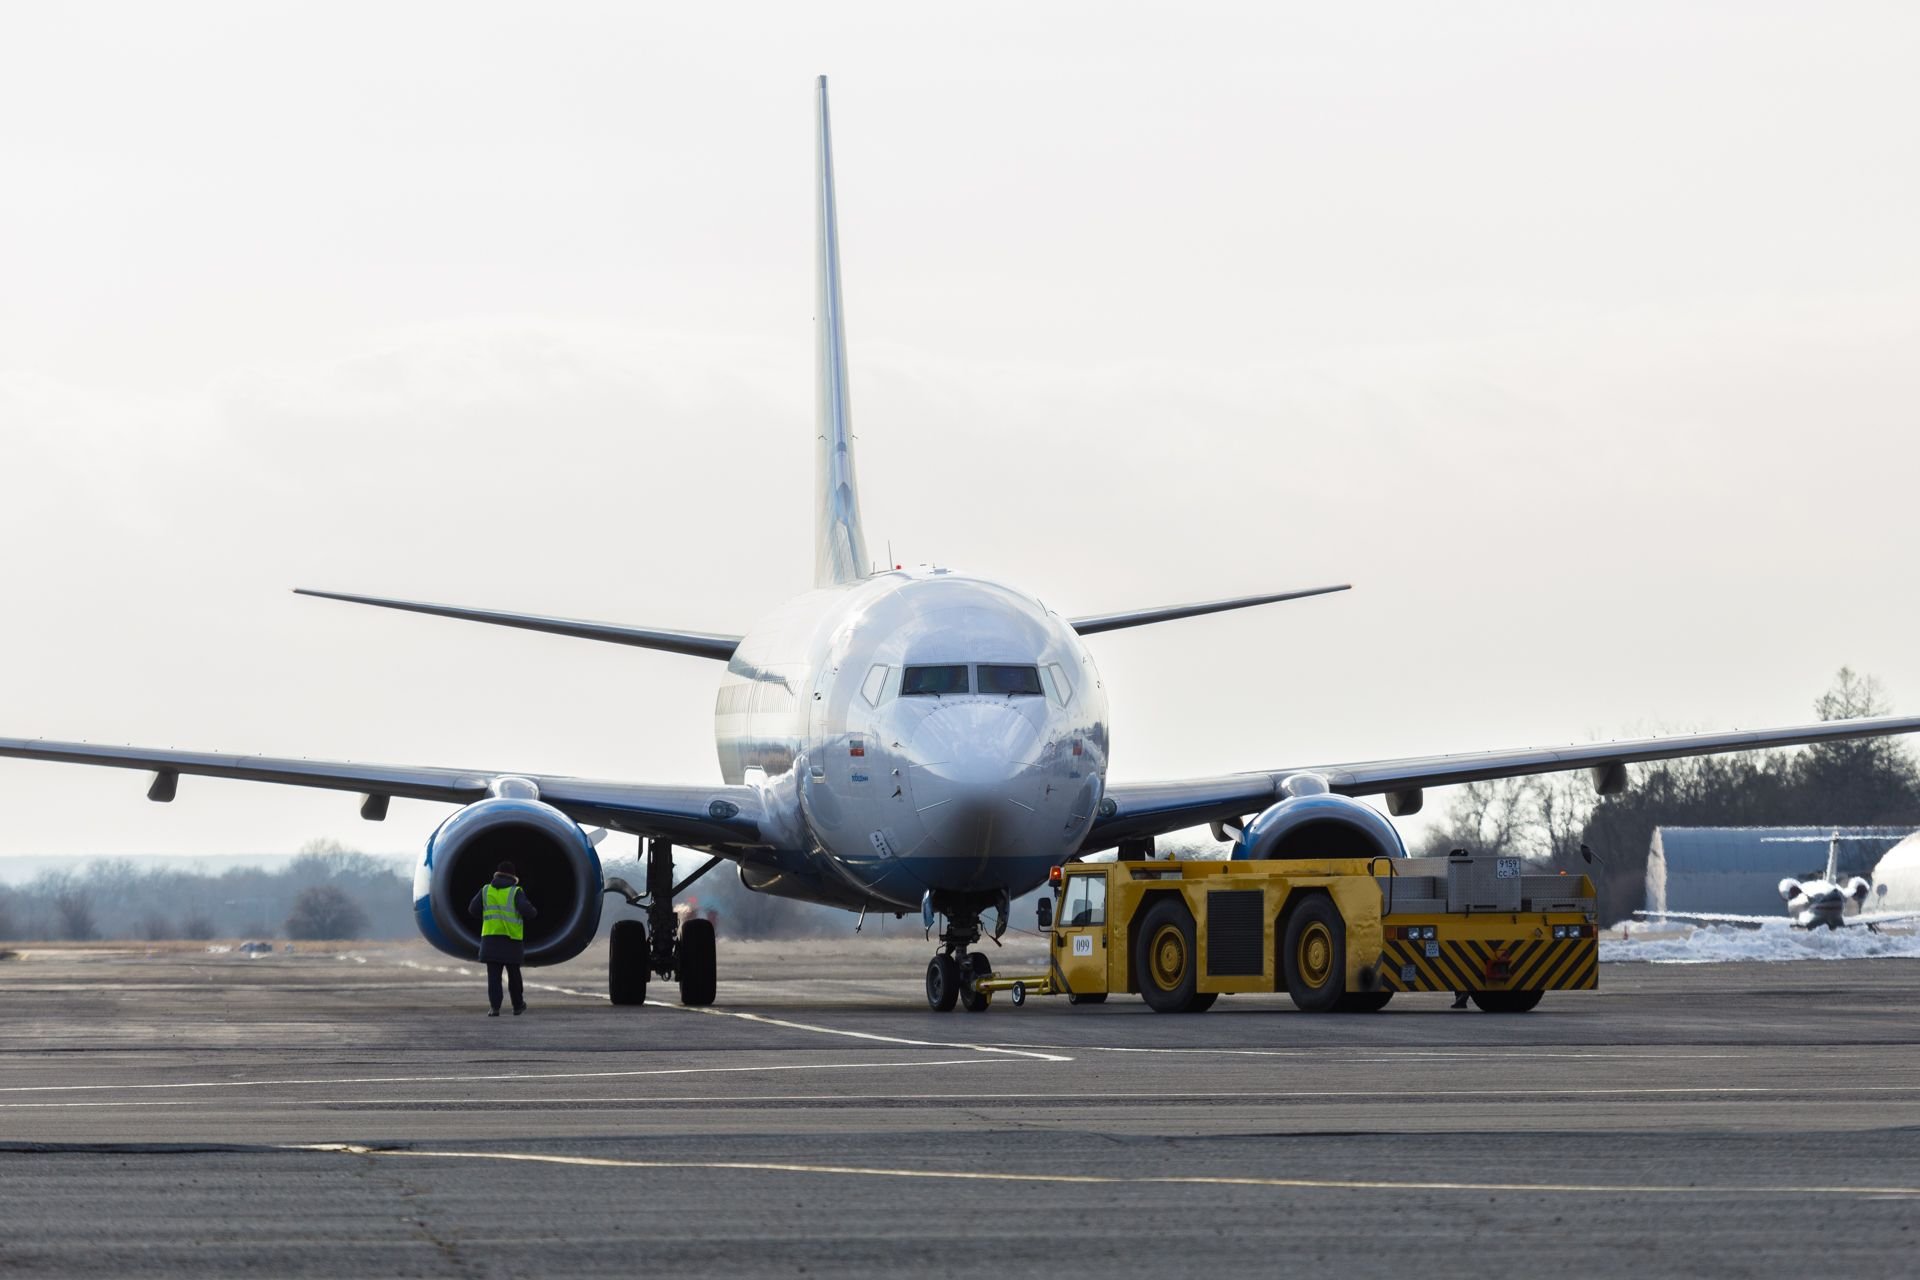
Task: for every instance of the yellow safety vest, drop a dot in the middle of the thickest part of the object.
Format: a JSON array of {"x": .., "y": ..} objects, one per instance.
[{"x": 500, "y": 916}]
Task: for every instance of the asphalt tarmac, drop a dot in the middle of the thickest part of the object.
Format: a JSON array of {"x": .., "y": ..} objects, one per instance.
[{"x": 187, "y": 1113}]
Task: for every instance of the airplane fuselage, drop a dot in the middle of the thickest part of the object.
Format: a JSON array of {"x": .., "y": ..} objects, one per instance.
[
  {"x": 1819, "y": 904},
  {"x": 923, "y": 730}
]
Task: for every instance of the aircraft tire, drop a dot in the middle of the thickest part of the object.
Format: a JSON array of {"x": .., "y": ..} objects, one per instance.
[
  {"x": 1315, "y": 955},
  {"x": 943, "y": 983},
  {"x": 695, "y": 961},
  {"x": 978, "y": 966},
  {"x": 629, "y": 963},
  {"x": 1506, "y": 1001}
]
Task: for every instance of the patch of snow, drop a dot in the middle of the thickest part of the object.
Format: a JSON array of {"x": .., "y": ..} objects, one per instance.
[{"x": 1722, "y": 943}]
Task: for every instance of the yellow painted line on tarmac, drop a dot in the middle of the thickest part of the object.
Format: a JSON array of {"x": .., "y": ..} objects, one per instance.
[{"x": 1113, "y": 1180}]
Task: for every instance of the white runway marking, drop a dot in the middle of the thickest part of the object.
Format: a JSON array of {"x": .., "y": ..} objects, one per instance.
[
  {"x": 1111, "y": 1180},
  {"x": 1039, "y": 1055},
  {"x": 483, "y": 1079},
  {"x": 1488, "y": 1093}
]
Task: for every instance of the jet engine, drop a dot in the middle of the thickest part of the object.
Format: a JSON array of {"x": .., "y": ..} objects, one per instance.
[
  {"x": 556, "y": 863},
  {"x": 1321, "y": 825}
]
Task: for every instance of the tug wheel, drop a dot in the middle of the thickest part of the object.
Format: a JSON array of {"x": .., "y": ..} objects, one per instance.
[
  {"x": 1166, "y": 968},
  {"x": 1506, "y": 1001},
  {"x": 1315, "y": 955},
  {"x": 1363, "y": 1001}
]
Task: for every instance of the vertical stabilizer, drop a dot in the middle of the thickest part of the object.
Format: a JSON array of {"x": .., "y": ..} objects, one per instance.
[{"x": 839, "y": 544}]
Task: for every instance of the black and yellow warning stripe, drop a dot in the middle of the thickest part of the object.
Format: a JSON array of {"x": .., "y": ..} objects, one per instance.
[{"x": 1522, "y": 964}]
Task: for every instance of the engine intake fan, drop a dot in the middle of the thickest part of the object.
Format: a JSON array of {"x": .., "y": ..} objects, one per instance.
[{"x": 553, "y": 857}]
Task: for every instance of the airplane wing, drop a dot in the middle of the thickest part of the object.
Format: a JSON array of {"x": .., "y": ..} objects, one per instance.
[
  {"x": 1883, "y": 917},
  {"x": 1134, "y": 810},
  {"x": 717, "y": 818},
  {"x": 696, "y": 644},
  {"x": 1712, "y": 917},
  {"x": 1097, "y": 623}
]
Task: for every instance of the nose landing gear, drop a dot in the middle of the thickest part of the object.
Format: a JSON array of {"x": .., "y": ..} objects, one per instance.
[{"x": 955, "y": 971}]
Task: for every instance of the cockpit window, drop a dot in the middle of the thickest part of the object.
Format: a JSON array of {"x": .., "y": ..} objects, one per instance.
[
  {"x": 934, "y": 681},
  {"x": 1062, "y": 687},
  {"x": 1009, "y": 680}
]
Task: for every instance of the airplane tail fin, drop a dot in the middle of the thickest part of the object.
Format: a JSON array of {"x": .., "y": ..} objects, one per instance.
[{"x": 840, "y": 544}]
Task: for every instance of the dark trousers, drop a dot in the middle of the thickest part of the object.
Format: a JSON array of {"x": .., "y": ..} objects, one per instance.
[{"x": 514, "y": 988}]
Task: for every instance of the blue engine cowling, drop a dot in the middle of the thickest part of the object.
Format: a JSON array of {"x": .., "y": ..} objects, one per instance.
[
  {"x": 557, "y": 866},
  {"x": 1320, "y": 826}
]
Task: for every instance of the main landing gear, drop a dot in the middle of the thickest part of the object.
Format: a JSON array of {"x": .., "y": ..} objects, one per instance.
[
  {"x": 954, "y": 971},
  {"x": 662, "y": 947}
]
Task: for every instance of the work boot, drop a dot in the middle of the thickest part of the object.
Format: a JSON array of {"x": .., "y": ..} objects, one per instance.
[
  {"x": 519, "y": 1009},
  {"x": 493, "y": 1013}
]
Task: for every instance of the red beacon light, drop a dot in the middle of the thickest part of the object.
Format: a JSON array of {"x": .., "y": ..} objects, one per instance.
[{"x": 1053, "y": 877}]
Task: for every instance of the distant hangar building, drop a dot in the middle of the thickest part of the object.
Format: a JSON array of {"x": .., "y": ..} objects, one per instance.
[{"x": 1739, "y": 869}]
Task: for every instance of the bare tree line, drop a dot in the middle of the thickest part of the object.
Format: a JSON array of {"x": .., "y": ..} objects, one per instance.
[
  {"x": 328, "y": 891},
  {"x": 1872, "y": 782}
]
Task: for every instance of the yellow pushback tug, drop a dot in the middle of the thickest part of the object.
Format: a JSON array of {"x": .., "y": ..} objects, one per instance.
[{"x": 1338, "y": 934}]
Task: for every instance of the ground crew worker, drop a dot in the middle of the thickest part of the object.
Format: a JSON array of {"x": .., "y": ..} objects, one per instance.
[{"x": 504, "y": 909}]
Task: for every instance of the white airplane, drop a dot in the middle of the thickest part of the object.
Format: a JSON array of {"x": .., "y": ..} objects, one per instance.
[
  {"x": 892, "y": 740},
  {"x": 1818, "y": 902}
]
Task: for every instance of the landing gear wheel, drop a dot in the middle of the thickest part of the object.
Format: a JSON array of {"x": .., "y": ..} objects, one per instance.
[
  {"x": 943, "y": 983},
  {"x": 977, "y": 967},
  {"x": 1090, "y": 997},
  {"x": 1165, "y": 967},
  {"x": 1506, "y": 1001},
  {"x": 694, "y": 962},
  {"x": 1363, "y": 1002},
  {"x": 629, "y": 963},
  {"x": 1315, "y": 955}
]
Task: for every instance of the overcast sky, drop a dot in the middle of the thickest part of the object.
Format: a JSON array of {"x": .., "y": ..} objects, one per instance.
[{"x": 1582, "y": 339}]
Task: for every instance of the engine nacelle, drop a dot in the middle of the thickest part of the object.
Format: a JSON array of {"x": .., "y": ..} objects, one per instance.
[
  {"x": 1320, "y": 826},
  {"x": 1790, "y": 889},
  {"x": 1858, "y": 890},
  {"x": 556, "y": 863}
]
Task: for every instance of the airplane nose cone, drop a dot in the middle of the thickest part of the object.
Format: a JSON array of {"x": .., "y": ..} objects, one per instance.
[{"x": 967, "y": 763}]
